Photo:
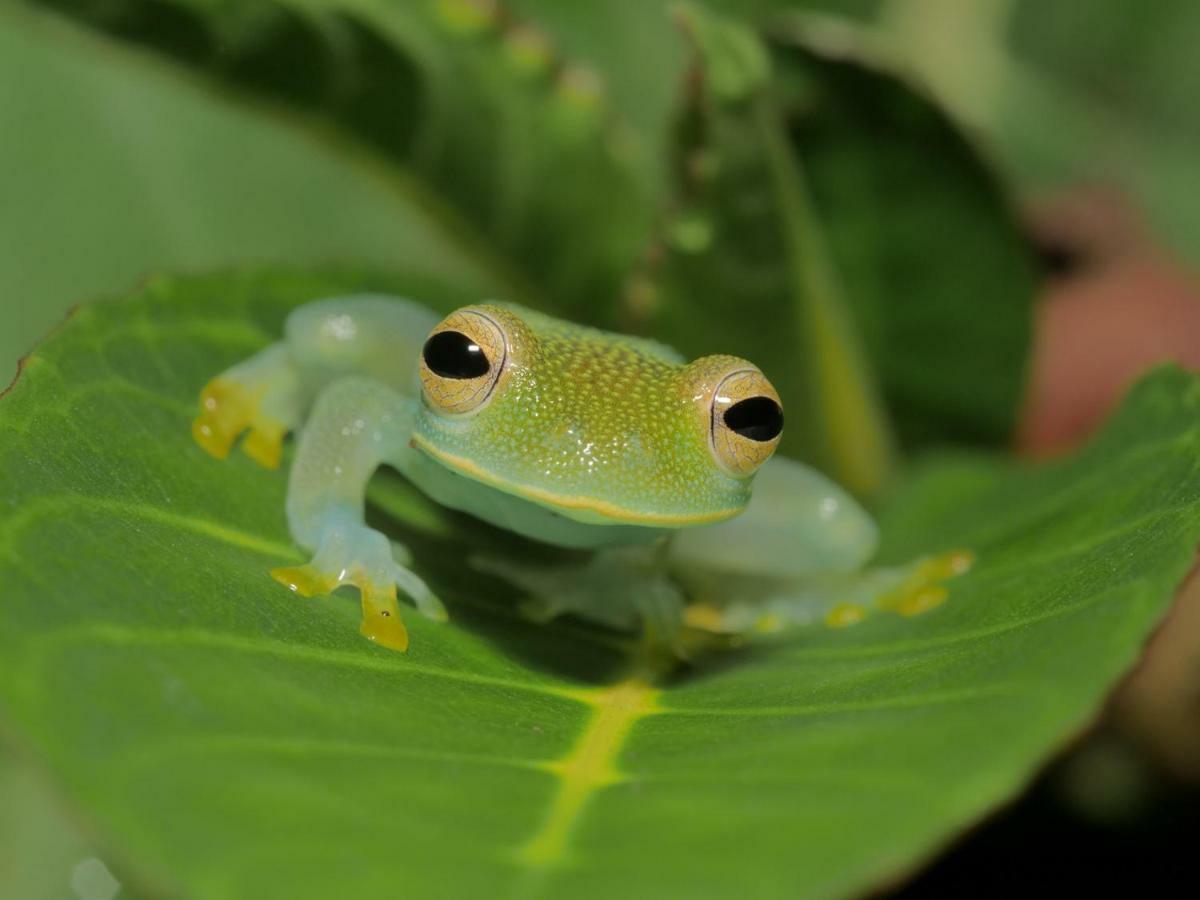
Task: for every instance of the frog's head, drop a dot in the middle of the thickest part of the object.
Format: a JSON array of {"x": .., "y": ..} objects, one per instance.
[{"x": 597, "y": 426}]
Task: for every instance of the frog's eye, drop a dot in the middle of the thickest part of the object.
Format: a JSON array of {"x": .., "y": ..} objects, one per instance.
[
  {"x": 462, "y": 361},
  {"x": 745, "y": 422}
]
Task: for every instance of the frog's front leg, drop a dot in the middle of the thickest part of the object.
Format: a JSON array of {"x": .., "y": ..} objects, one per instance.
[
  {"x": 266, "y": 395},
  {"x": 259, "y": 396},
  {"x": 356, "y": 425},
  {"x": 619, "y": 587}
]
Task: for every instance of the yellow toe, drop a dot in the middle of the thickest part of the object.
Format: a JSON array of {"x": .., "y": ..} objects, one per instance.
[
  {"x": 924, "y": 589},
  {"x": 381, "y": 620},
  {"x": 704, "y": 616},
  {"x": 305, "y": 580},
  {"x": 922, "y": 600},
  {"x": 946, "y": 565},
  {"x": 264, "y": 445},
  {"x": 208, "y": 434},
  {"x": 844, "y": 615},
  {"x": 227, "y": 408}
]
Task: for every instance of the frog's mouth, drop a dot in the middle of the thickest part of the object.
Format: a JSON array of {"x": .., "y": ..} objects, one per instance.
[{"x": 581, "y": 508}]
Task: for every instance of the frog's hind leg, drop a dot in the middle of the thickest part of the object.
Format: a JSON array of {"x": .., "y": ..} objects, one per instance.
[
  {"x": 259, "y": 396},
  {"x": 796, "y": 556},
  {"x": 747, "y": 605},
  {"x": 922, "y": 585}
]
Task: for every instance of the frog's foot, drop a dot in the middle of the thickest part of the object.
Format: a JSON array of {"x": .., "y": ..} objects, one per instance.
[
  {"x": 843, "y": 601},
  {"x": 258, "y": 397},
  {"x": 536, "y": 609},
  {"x": 733, "y": 619},
  {"x": 923, "y": 586},
  {"x": 747, "y": 607},
  {"x": 228, "y": 408},
  {"x": 553, "y": 590},
  {"x": 617, "y": 588},
  {"x": 907, "y": 590},
  {"x": 359, "y": 556}
]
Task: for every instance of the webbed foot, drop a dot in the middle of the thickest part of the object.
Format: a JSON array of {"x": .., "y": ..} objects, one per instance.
[
  {"x": 257, "y": 397},
  {"x": 748, "y": 606},
  {"x": 227, "y": 409},
  {"x": 906, "y": 590},
  {"x": 617, "y": 587},
  {"x": 362, "y": 557},
  {"x": 924, "y": 587}
]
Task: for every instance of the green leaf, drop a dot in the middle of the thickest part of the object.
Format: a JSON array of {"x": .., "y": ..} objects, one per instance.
[
  {"x": 834, "y": 227},
  {"x": 1128, "y": 91},
  {"x": 120, "y": 168},
  {"x": 40, "y": 848},
  {"x": 752, "y": 262},
  {"x": 514, "y": 149},
  {"x": 1071, "y": 94},
  {"x": 454, "y": 75},
  {"x": 939, "y": 274},
  {"x": 231, "y": 741}
]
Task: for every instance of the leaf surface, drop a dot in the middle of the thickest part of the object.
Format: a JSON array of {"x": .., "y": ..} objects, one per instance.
[
  {"x": 228, "y": 740},
  {"x": 40, "y": 848}
]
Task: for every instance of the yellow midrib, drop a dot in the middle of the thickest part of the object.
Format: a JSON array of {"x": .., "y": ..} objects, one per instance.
[{"x": 590, "y": 764}]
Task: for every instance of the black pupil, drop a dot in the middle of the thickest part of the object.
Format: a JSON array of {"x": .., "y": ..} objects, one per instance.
[
  {"x": 757, "y": 418},
  {"x": 452, "y": 354}
]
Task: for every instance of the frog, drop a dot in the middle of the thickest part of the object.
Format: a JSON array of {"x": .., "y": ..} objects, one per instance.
[{"x": 660, "y": 470}]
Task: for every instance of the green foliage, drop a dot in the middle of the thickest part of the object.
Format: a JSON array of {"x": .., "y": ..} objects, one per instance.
[
  {"x": 1062, "y": 94},
  {"x": 1121, "y": 80},
  {"x": 221, "y": 738},
  {"x": 40, "y": 848},
  {"x": 808, "y": 209},
  {"x": 229, "y": 740},
  {"x": 119, "y": 167},
  {"x": 750, "y": 259},
  {"x": 516, "y": 151},
  {"x": 559, "y": 196}
]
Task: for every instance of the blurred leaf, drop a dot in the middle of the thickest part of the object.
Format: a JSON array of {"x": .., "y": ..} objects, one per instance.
[
  {"x": 636, "y": 47},
  {"x": 235, "y": 742},
  {"x": 39, "y": 847},
  {"x": 750, "y": 263},
  {"x": 1129, "y": 75},
  {"x": 1071, "y": 93},
  {"x": 757, "y": 10},
  {"x": 516, "y": 151},
  {"x": 119, "y": 169},
  {"x": 478, "y": 104},
  {"x": 939, "y": 274},
  {"x": 838, "y": 216}
]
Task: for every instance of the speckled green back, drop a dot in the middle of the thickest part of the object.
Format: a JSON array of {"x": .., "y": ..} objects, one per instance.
[{"x": 602, "y": 426}]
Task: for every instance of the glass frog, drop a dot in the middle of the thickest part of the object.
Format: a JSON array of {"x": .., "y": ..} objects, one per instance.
[{"x": 564, "y": 434}]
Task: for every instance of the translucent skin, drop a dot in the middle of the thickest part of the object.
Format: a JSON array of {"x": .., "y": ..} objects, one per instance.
[
  {"x": 584, "y": 438},
  {"x": 600, "y": 427}
]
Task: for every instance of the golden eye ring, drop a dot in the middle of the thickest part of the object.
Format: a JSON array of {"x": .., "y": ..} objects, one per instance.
[
  {"x": 462, "y": 361},
  {"x": 745, "y": 421}
]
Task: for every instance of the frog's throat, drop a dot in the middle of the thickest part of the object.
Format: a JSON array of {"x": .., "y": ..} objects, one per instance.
[{"x": 587, "y": 509}]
